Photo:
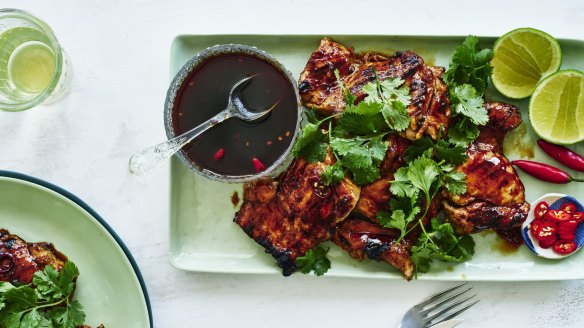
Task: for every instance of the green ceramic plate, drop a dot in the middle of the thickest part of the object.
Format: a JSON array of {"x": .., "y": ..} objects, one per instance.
[
  {"x": 203, "y": 236},
  {"x": 110, "y": 286}
]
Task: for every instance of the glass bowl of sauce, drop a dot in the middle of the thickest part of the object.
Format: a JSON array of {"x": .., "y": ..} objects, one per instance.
[{"x": 234, "y": 150}]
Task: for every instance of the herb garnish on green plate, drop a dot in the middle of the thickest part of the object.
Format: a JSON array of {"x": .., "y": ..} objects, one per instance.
[{"x": 47, "y": 302}]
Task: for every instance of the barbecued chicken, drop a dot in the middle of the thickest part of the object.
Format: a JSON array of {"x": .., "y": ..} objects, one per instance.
[
  {"x": 495, "y": 197},
  {"x": 294, "y": 213},
  {"x": 19, "y": 260},
  {"x": 368, "y": 240},
  {"x": 375, "y": 196},
  {"x": 362, "y": 236},
  {"x": 429, "y": 108}
]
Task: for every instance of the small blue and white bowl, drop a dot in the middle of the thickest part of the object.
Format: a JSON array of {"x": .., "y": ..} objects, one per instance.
[{"x": 555, "y": 201}]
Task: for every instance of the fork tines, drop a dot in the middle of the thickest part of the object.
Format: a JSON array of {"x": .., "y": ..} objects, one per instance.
[{"x": 446, "y": 304}]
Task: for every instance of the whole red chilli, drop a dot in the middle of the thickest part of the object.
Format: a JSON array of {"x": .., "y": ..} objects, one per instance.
[
  {"x": 563, "y": 155},
  {"x": 544, "y": 172}
]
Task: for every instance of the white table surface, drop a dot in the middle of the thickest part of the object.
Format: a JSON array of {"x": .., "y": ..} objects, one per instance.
[{"x": 120, "y": 53}]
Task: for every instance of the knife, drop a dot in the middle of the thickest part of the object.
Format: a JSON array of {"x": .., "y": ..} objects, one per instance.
[{"x": 448, "y": 323}]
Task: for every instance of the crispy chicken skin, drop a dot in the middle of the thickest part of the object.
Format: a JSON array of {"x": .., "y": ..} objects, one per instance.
[
  {"x": 429, "y": 108},
  {"x": 294, "y": 213},
  {"x": 495, "y": 197},
  {"x": 318, "y": 84},
  {"x": 19, "y": 260},
  {"x": 363, "y": 239}
]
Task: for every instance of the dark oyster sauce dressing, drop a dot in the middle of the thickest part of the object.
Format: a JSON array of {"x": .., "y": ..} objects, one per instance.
[{"x": 205, "y": 93}]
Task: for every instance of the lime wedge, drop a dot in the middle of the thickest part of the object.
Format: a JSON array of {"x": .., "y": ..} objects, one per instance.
[
  {"x": 521, "y": 59},
  {"x": 556, "y": 109}
]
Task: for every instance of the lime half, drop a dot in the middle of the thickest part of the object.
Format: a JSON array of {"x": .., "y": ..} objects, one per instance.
[
  {"x": 521, "y": 59},
  {"x": 556, "y": 109}
]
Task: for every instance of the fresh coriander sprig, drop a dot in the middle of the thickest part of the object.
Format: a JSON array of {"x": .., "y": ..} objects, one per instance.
[
  {"x": 48, "y": 304},
  {"x": 440, "y": 243},
  {"x": 430, "y": 166},
  {"x": 467, "y": 78},
  {"x": 357, "y": 138},
  {"x": 314, "y": 260},
  {"x": 470, "y": 64}
]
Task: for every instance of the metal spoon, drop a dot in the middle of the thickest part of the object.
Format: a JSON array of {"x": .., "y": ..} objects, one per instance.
[{"x": 152, "y": 157}]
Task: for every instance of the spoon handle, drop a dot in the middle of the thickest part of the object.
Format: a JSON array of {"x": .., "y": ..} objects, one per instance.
[{"x": 152, "y": 157}]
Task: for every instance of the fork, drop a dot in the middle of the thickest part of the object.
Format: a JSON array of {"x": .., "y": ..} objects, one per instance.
[{"x": 439, "y": 307}]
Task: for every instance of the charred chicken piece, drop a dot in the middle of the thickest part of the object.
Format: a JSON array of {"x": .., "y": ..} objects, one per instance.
[
  {"x": 294, "y": 213},
  {"x": 367, "y": 240},
  {"x": 429, "y": 108},
  {"x": 19, "y": 260},
  {"x": 318, "y": 85},
  {"x": 362, "y": 236},
  {"x": 495, "y": 197},
  {"x": 376, "y": 195}
]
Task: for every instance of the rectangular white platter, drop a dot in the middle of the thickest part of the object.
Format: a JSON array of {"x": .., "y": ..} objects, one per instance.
[{"x": 204, "y": 238}]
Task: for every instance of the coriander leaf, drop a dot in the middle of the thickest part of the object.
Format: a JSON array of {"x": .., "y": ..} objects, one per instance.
[
  {"x": 440, "y": 243},
  {"x": 11, "y": 319},
  {"x": 396, "y": 116},
  {"x": 469, "y": 104},
  {"x": 21, "y": 297},
  {"x": 401, "y": 185},
  {"x": 405, "y": 204},
  {"x": 370, "y": 89},
  {"x": 418, "y": 148},
  {"x": 60, "y": 318},
  {"x": 394, "y": 90},
  {"x": 47, "y": 285},
  {"x": 67, "y": 277},
  {"x": 452, "y": 154},
  {"x": 470, "y": 64},
  {"x": 333, "y": 173},
  {"x": 465, "y": 246},
  {"x": 311, "y": 144},
  {"x": 75, "y": 312},
  {"x": 421, "y": 257},
  {"x": 4, "y": 287},
  {"x": 17, "y": 300},
  {"x": 422, "y": 173},
  {"x": 353, "y": 151},
  {"x": 52, "y": 285},
  {"x": 363, "y": 119},
  {"x": 314, "y": 260},
  {"x": 446, "y": 168},
  {"x": 404, "y": 212},
  {"x": 455, "y": 182},
  {"x": 311, "y": 115},
  {"x": 34, "y": 318},
  {"x": 361, "y": 156},
  {"x": 70, "y": 316},
  {"x": 377, "y": 149},
  {"x": 463, "y": 133},
  {"x": 395, "y": 97},
  {"x": 396, "y": 220},
  {"x": 363, "y": 176}
]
